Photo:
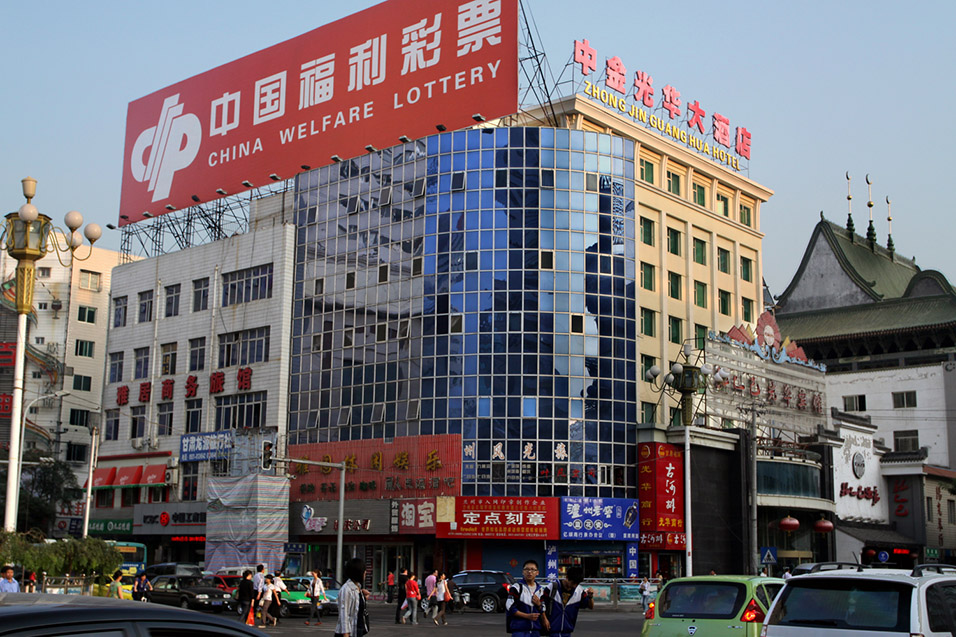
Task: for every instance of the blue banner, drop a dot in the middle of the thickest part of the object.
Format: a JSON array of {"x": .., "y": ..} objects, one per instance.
[
  {"x": 551, "y": 561},
  {"x": 600, "y": 519},
  {"x": 207, "y": 446},
  {"x": 630, "y": 566}
]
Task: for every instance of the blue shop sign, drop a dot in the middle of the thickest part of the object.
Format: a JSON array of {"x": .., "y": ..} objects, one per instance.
[
  {"x": 207, "y": 446},
  {"x": 600, "y": 519}
]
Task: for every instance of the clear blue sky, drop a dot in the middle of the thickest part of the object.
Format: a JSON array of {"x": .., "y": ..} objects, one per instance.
[{"x": 824, "y": 87}]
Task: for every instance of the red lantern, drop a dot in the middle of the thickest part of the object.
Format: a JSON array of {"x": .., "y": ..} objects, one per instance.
[
  {"x": 823, "y": 526},
  {"x": 789, "y": 524},
  {"x": 870, "y": 553}
]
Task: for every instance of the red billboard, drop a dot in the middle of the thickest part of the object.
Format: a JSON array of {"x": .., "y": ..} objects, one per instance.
[
  {"x": 408, "y": 467},
  {"x": 512, "y": 518},
  {"x": 660, "y": 484},
  {"x": 403, "y": 67}
]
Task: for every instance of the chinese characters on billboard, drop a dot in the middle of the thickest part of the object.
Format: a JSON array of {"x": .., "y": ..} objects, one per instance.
[
  {"x": 599, "y": 519},
  {"x": 402, "y": 67},
  {"x": 660, "y": 485},
  {"x": 500, "y": 517}
]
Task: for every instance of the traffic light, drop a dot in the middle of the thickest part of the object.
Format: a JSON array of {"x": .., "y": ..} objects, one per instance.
[{"x": 266, "y": 454}]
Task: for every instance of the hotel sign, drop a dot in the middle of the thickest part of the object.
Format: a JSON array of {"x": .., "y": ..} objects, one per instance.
[{"x": 661, "y": 108}]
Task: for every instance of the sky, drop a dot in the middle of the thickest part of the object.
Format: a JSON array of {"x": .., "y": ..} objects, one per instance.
[{"x": 823, "y": 87}]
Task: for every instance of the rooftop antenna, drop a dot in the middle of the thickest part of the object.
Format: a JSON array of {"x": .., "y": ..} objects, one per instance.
[
  {"x": 849, "y": 208},
  {"x": 870, "y": 231},
  {"x": 889, "y": 221}
]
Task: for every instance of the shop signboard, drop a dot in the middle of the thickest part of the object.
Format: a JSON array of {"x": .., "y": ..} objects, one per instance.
[
  {"x": 660, "y": 484},
  {"x": 368, "y": 517},
  {"x": 631, "y": 568},
  {"x": 413, "y": 516},
  {"x": 512, "y": 518},
  {"x": 213, "y": 445},
  {"x": 169, "y": 518},
  {"x": 599, "y": 519},
  {"x": 551, "y": 562},
  {"x": 103, "y": 526},
  {"x": 399, "y": 68}
]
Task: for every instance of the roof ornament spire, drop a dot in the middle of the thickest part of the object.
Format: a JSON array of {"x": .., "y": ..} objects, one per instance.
[
  {"x": 849, "y": 208},
  {"x": 870, "y": 231},
  {"x": 889, "y": 221}
]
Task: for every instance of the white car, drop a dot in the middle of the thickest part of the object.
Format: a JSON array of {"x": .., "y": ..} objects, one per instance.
[{"x": 866, "y": 602}]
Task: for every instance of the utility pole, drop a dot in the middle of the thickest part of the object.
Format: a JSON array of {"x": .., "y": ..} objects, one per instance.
[{"x": 753, "y": 410}]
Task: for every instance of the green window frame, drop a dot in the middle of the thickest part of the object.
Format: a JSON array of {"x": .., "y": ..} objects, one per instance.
[
  {"x": 647, "y": 231},
  {"x": 674, "y": 285},
  {"x": 675, "y": 329},
  {"x": 700, "y": 335},
  {"x": 700, "y": 294},
  {"x": 646, "y": 363},
  {"x": 647, "y": 170},
  {"x": 746, "y": 269},
  {"x": 700, "y": 194},
  {"x": 724, "y": 299},
  {"x": 647, "y": 276},
  {"x": 748, "y": 310},
  {"x": 648, "y": 322},
  {"x": 673, "y": 183},
  {"x": 723, "y": 204},
  {"x": 673, "y": 241},
  {"x": 648, "y": 412},
  {"x": 700, "y": 251},
  {"x": 723, "y": 260},
  {"x": 746, "y": 215}
]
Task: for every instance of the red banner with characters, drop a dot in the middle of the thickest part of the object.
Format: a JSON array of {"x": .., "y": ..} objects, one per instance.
[
  {"x": 399, "y": 68},
  {"x": 408, "y": 467},
  {"x": 499, "y": 517},
  {"x": 660, "y": 484}
]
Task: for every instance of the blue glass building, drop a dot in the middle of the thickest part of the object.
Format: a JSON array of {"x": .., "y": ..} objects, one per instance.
[{"x": 480, "y": 283}]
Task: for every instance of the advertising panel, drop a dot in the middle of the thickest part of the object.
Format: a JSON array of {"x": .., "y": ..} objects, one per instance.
[
  {"x": 322, "y": 518},
  {"x": 660, "y": 485},
  {"x": 599, "y": 519},
  {"x": 413, "y": 516},
  {"x": 207, "y": 446},
  {"x": 403, "y": 67},
  {"x": 513, "y": 518},
  {"x": 169, "y": 518}
]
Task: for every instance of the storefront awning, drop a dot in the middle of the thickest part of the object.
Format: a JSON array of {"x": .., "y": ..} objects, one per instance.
[
  {"x": 128, "y": 477},
  {"x": 103, "y": 478},
  {"x": 154, "y": 474},
  {"x": 877, "y": 536}
]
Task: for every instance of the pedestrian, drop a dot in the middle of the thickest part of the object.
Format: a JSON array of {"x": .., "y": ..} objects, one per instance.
[
  {"x": 786, "y": 573},
  {"x": 316, "y": 595},
  {"x": 441, "y": 597},
  {"x": 525, "y": 606},
  {"x": 278, "y": 587},
  {"x": 430, "y": 583},
  {"x": 258, "y": 580},
  {"x": 566, "y": 598},
  {"x": 645, "y": 593},
  {"x": 266, "y": 597},
  {"x": 763, "y": 571},
  {"x": 412, "y": 596},
  {"x": 7, "y": 583},
  {"x": 353, "y": 612},
  {"x": 30, "y": 582},
  {"x": 390, "y": 587},
  {"x": 400, "y": 594},
  {"x": 116, "y": 588},
  {"x": 246, "y": 595},
  {"x": 142, "y": 588}
]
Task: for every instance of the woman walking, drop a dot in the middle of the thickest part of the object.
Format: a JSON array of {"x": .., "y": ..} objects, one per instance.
[
  {"x": 265, "y": 602},
  {"x": 352, "y": 609},
  {"x": 142, "y": 588},
  {"x": 442, "y": 596},
  {"x": 412, "y": 596},
  {"x": 316, "y": 595}
]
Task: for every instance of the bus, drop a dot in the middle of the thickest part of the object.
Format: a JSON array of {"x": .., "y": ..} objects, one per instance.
[{"x": 134, "y": 556}]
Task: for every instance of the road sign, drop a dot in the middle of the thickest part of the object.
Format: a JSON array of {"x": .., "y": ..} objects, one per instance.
[
  {"x": 768, "y": 555},
  {"x": 883, "y": 556}
]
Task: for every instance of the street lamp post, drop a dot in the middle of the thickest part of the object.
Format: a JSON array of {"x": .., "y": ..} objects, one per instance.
[{"x": 27, "y": 238}]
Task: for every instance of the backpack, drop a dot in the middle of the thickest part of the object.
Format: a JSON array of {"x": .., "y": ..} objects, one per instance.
[{"x": 544, "y": 591}]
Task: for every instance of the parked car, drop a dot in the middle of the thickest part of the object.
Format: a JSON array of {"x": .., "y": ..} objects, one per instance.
[
  {"x": 236, "y": 570},
  {"x": 862, "y": 602},
  {"x": 331, "y": 592},
  {"x": 712, "y": 605},
  {"x": 173, "y": 568},
  {"x": 101, "y": 586},
  {"x": 487, "y": 590},
  {"x": 813, "y": 567},
  {"x": 226, "y": 583},
  {"x": 187, "y": 591},
  {"x": 44, "y": 615}
]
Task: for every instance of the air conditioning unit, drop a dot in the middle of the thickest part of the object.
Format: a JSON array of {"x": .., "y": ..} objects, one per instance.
[
  {"x": 172, "y": 462},
  {"x": 136, "y": 443},
  {"x": 172, "y": 476}
]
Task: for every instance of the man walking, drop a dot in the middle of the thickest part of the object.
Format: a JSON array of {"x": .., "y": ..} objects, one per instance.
[
  {"x": 567, "y": 597},
  {"x": 400, "y": 594},
  {"x": 316, "y": 595},
  {"x": 430, "y": 583},
  {"x": 526, "y": 604},
  {"x": 245, "y": 596},
  {"x": 390, "y": 587},
  {"x": 7, "y": 583}
]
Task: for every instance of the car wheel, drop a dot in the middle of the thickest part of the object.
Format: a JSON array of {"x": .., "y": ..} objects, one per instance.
[
  {"x": 489, "y": 604},
  {"x": 283, "y": 610},
  {"x": 184, "y": 603}
]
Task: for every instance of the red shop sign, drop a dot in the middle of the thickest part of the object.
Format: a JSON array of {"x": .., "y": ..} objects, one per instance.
[
  {"x": 660, "y": 487},
  {"x": 503, "y": 517}
]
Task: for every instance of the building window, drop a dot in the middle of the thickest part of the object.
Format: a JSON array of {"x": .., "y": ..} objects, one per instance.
[
  {"x": 906, "y": 440},
  {"x": 675, "y": 420},
  {"x": 319, "y": 287},
  {"x": 383, "y": 273},
  {"x": 648, "y": 412},
  {"x": 545, "y": 260},
  {"x": 129, "y": 496},
  {"x": 723, "y": 260},
  {"x": 119, "y": 311},
  {"x": 700, "y": 336},
  {"x": 43, "y": 273},
  {"x": 951, "y": 511},
  {"x": 172, "y": 300},
  {"x": 647, "y": 231},
  {"x": 240, "y": 411},
  {"x": 80, "y": 418},
  {"x": 700, "y": 251},
  {"x": 82, "y": 383},
  {"x": 746, "y": 215},
  {"x": 700, "y": 195},
  {"x": 84, "y": 348},
  {"x": 190, "y": 481},
  {"x": 673, "y": 241},
  {"x": 904, "y": 399},
  {"x": 86, "y": 314},
  {"x": 141, "y": 363},
  {"x": 39, "y": 340},
  {"x": 137, "y": 421},
  {"x": 675, "y": 328},
  {"x": 648, "y": 321},
  {"x": 854, "y": 403},
  {"x": 746, "y": 269},
  {"x": 200, "y": 294},
  {"x": 111, "y": 424},
  {"x": 245, "y": 286},
  {"x": 674, "y": 284},
  {"x": 164, "y": 419},
  {"x": 197, "y": 354},
  {"x": 748, "y": 310},
  {"x": 194, "y": 416},
  {"x": 723, "y": 205},
  {"x": 647, "y": 171},
  {"x": 673, "y": 183},
  {"x": 146, "y": 306},
  {"x": 244, "y": 347},
  {"x": 89, "y": 280},
  {"x": 76, "y": 452},
  {"x": 116, "y": 367},
  {"x": 929, "y": 509},
  {"x": 647, "y": 276},
  {"x": 724, "y": 302},
  {"x": 168, "y": 351},
  {"x": 36, "y": 374},
  {"x": 41, "y": 306},
  {"x": 700, "y": 294},
  {"x": 104, "y": 499},
  {"x": 646, "y": 363}
]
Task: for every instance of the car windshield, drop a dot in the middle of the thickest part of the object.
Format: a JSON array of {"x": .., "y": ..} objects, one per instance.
[
  {"x": 207, "y": 581},
  {"x": 330, "y": 584},
  {"x": 702, "y": 600},
  {"x": 839, "y": 603},
  {"x": 295, "y": 585},
  {"x": 186, "y": 582}
]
